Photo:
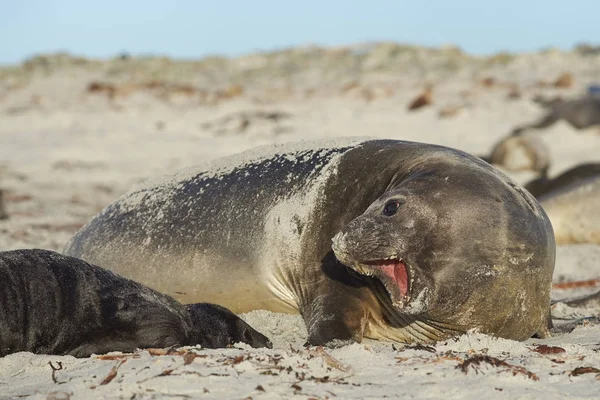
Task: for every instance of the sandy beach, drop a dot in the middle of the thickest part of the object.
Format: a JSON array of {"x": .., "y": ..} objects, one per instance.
[{"x": 69, "y": 148}]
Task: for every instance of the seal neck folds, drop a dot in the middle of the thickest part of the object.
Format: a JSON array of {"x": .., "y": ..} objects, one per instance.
[{"x": 401, "y": 326}]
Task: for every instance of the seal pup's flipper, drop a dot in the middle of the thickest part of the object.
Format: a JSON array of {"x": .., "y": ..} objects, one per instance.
[{"x": 214, "y": 326}]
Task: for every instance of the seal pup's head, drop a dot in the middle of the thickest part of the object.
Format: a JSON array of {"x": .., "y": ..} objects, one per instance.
[
  {"x": 214, "y": 326},
  {"x": 456, "y": 245}
]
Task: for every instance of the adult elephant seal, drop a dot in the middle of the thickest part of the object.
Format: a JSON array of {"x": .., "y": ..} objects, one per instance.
[
  {"x": 428, "y": 241},
  {"x": 520, "y": 153},
  {"x": 574, "y": 208},
  {"x": 574, "y": 177},
  {"x": 54, "y": 304}
]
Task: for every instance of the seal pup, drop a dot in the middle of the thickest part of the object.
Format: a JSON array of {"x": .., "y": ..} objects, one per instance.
[
  {"x": 55, "y": 304},
  {"x": 428, "y": 241}
]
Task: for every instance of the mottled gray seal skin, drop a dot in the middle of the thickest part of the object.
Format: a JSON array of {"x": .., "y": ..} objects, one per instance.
[
  {"x": 54, "y": 304},
  {"x": 428, "y": 242}
]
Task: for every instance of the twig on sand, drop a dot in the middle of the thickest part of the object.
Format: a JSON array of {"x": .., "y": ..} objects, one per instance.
[
  {"x": 54, "y": 369},
  {"x": 187, "y": 355},
  {"x": 495, "y": 362},
  {"x": 112, "y": 357},
  {"x": 189, "y": 358},
  {"x": 545, "y": 349},
  {"x": 576, "y": 284},
  {"x": 329, "y": 359},
  {"x": 584, "y": 370},
  {"x": 113, "y": 372}
]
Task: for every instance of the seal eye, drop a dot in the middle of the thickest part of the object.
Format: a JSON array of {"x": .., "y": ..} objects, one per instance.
[{"x": 391, "y": 208}]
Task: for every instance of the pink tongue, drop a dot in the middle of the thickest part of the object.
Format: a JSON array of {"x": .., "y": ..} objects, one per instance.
[{"x": 397, "y": 271}]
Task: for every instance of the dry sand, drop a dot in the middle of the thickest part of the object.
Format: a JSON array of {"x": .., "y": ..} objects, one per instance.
[{"x": 65, "y": 154}]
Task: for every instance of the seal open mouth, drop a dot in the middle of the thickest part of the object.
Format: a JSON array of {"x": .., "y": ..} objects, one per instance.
[{"x": 393, "y": 273}]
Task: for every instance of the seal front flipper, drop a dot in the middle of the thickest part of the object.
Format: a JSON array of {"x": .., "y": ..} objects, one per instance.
[
  {"x": 335, "y": 318},
  {"x": 214, "y": 327},
  {"x": 337, "y": 309}
]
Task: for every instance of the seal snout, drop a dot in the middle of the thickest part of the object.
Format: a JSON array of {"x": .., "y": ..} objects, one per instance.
[
  {"x": 360, "y": 240},
  {"x": 247, "y": 334},
  {"x": 345, "y": 249},
  {"x": 382, "y": 263},
  {"x": 339, "y": 246}
]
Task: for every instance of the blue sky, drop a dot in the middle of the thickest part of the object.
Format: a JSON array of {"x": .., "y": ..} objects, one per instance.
[{"x": 191, "y": 29}]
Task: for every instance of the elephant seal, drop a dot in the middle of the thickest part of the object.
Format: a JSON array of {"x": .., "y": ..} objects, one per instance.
[
  {"x": 428, "y": 242},
  {"x": 520, "y": 153},
  {"x": 54, "y": 304},
  {"x": 573, "y": 208},
  {"x": 580, "y": 113},
  {"x": 543, "y": 185}
]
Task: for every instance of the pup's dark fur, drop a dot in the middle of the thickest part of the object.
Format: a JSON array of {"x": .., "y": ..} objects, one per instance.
[{"x": 55, "y": 304}]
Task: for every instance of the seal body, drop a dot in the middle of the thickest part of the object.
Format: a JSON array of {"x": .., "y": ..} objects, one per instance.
[
  {"x": 520, "y": 153},
  {"x": 466, "y": 247},
  {"x": 569, "y": 178},
  {"x": 580, "y": 113},
  {"x": 54, "y": 304},
  {"x": 572, "y": 202}
]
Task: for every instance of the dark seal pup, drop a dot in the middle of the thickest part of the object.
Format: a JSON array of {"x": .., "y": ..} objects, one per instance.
[
  {"x": 54, "y": 304},
  {"x": 428, "y": 242}
]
